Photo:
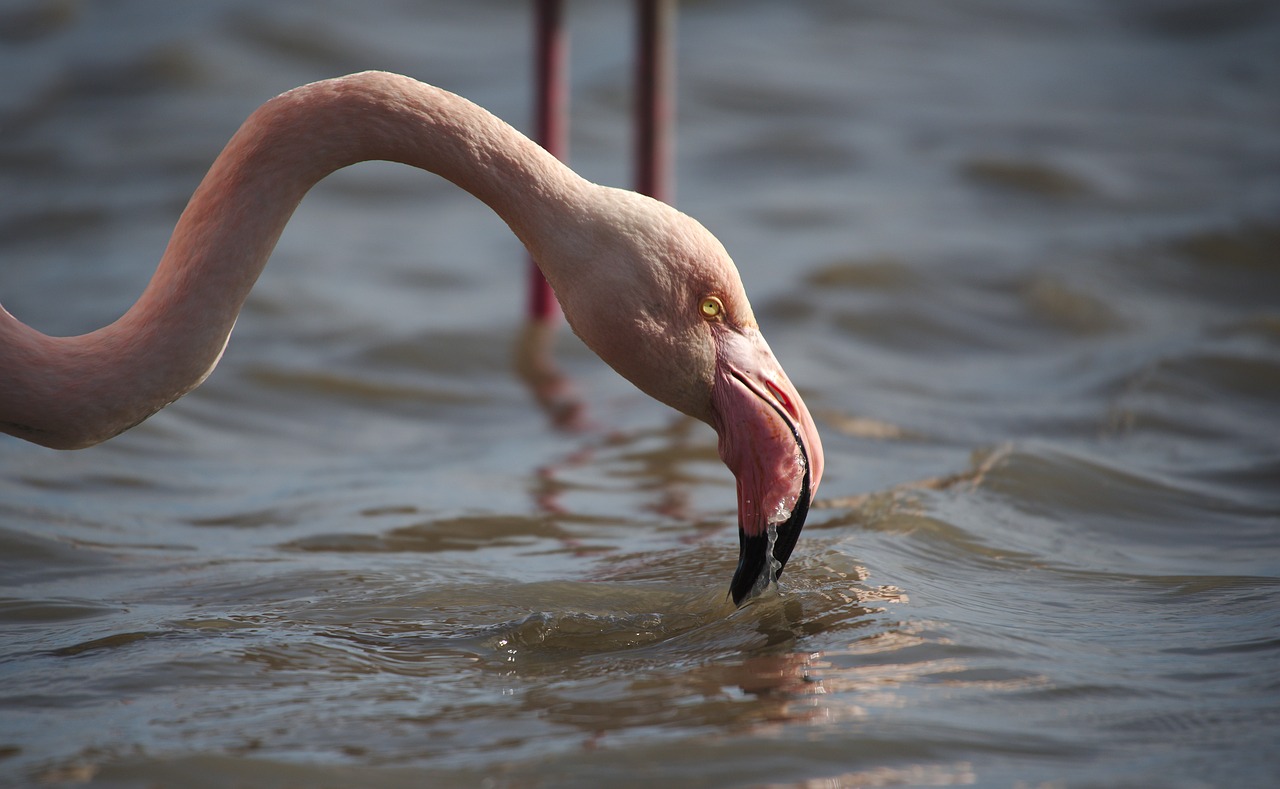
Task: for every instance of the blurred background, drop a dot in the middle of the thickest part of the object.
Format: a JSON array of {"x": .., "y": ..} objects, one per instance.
[{"x": 1022, "y": 259}]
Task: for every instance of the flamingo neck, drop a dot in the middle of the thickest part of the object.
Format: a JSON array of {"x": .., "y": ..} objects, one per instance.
[{"x": 70, "y": 392}]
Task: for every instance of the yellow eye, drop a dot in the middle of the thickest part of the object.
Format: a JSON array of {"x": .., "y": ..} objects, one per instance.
[{"x": 711, "y": 307}]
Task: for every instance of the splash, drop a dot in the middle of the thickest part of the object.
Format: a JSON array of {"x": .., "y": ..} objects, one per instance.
[{"x": 773, "y": 568}]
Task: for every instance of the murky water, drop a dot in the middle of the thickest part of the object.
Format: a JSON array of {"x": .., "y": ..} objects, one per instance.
[{"x": 1021, "y": 258}]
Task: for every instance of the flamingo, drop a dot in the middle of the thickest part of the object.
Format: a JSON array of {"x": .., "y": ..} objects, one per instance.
[{"x": 647, "y": 288}]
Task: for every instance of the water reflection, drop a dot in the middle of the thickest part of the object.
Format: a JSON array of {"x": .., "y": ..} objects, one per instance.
[
  {"x": 658, "y": 467},
  {"x": 553, "y": 390}
]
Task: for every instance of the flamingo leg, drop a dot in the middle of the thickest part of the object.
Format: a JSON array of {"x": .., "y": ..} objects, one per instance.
[
  {"x": 655, "y": 98},
  {"x": 551, "y": 122}
]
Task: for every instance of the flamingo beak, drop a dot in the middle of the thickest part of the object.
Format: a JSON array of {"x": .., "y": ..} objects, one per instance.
[{"x": 769, "y": 442}]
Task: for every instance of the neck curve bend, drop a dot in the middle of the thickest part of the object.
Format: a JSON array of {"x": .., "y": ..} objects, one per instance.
[{"x": 71, "y": 392}]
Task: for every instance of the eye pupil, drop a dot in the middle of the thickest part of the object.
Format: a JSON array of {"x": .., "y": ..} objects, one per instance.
[{"x": 711, "y": 307}]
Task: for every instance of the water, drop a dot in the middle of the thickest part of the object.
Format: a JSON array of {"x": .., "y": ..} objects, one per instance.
[{"x": 1022, "y": 260}]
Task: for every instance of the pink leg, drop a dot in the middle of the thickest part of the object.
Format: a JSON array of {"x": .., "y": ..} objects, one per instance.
[
  {"x": 655, "y": 98},
  {"x": 551, "y": 121},
  {"x": 533, "y": 360}
]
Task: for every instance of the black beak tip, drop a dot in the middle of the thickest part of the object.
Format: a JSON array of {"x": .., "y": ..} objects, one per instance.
[
  {"x": 754, "y": 574},
  {"x": 753, "y": 553}
]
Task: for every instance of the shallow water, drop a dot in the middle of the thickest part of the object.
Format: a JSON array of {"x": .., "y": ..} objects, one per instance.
[{"x": 1022, "y": 260}]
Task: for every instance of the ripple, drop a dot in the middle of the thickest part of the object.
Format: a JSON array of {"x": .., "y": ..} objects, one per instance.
[
  {"x": 449, "y": 534},
  {"x": 1039, "y": 179},
  {"x": 114, "y": 641},
  {"x": 1080, "y": 508},
  {"x": 18, "y": 611},
  {"x": 26, "y": 558}
]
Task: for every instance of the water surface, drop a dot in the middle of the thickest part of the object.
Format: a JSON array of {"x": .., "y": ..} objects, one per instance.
[{"x": 1022, "y": 260}]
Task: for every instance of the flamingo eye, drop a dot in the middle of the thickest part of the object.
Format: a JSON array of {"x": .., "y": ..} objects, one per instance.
[{"x": 711, "y": 307}]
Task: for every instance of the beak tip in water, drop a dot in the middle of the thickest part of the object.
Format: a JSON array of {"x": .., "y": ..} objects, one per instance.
[{"x": 761, "y": 557}]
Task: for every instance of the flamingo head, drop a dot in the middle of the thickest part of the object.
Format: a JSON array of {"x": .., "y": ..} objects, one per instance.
[{"x": 656, "y": 296}]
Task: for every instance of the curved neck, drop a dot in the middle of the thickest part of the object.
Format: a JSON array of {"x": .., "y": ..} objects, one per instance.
[{"x": 77, "y": 391}]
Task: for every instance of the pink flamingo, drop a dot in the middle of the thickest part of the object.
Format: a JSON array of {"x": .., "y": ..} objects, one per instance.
[{"x": 647, "y": 288}]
